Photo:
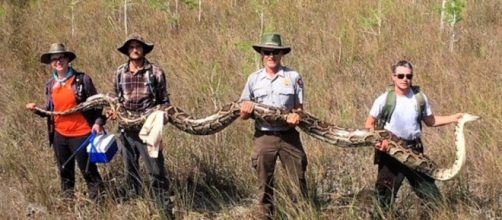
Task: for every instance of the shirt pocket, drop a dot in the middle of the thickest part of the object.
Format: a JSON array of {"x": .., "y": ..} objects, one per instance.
[
  {"x": 286, "y": 91},
  {"x": 286, "y": 96},
  {"x": 259, "y": 94}
]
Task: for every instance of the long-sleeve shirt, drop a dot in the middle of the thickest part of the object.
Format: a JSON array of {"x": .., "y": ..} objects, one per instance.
[{"x": 139, "y": 90}]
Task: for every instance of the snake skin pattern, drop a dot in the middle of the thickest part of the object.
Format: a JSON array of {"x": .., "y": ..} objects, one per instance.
[{"x": 309, "y": 124}]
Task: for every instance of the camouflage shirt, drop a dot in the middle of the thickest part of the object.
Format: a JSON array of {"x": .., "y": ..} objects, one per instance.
[{"x": 137, "y": 94}]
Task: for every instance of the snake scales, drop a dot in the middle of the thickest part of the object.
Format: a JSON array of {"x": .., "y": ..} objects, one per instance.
[{"x": 311, "y": 125}]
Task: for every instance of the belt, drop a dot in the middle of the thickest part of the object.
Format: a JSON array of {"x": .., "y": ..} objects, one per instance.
[
  {"x": 413, "y": 142},
  {"x": 130, "y": 128},
  {"x": 274, "y": 133}
]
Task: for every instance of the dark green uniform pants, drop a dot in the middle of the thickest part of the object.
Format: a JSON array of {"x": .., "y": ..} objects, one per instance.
[{"x": 267, "y": 147}]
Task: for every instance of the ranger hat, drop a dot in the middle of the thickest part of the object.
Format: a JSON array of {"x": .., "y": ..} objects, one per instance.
[
  {"x": 147, "y": 47},
  {"x": 57, "y": 48},
  {"x": 271, "y": 41}
]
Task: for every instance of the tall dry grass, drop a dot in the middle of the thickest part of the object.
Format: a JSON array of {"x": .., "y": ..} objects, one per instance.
[{"x": 342, "y": 48}]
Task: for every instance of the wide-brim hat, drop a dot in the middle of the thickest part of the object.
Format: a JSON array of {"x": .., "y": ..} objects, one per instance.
[
  {"x": 147, "y": 47},
  {"x": 271, "y": 41},
  {"x": 57, "y": 48}
]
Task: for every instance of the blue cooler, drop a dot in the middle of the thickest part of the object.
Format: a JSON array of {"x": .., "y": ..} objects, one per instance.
[{"x": 102, "y": 148}]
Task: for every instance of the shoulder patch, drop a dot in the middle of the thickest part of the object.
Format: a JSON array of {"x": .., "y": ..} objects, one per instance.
[{"x": 300, "y": 82}]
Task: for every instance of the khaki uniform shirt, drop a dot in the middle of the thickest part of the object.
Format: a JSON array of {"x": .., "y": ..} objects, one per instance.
[{"x": 285, "y": 90}]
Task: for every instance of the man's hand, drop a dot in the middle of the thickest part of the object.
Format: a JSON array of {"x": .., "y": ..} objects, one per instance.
[
  {"x": 111, "y": 115},
  {"x": 457, "y": 117},
  {"x": 293, "y": 119},
  {"x": 247, "y": 108},
  {"x": 382, "y": 146},
  {"x": 98, "y": 129},
  {"x": 31, "y": 106}
]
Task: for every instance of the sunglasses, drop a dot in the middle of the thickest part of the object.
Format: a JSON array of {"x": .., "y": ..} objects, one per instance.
[
  {"x": 270, "y": 52},
  {"x": 401, "y": 76},
  {"x": 59, "y": 58}
]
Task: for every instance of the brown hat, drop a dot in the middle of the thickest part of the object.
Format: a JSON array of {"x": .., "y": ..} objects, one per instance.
[
  {"x": 57, "y": 48},
  {"x": 147, "y": 47},
  {"x": 271, "y": 41}
]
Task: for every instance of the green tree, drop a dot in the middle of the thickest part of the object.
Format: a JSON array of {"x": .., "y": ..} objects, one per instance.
[{"x": 452, "y": 11}]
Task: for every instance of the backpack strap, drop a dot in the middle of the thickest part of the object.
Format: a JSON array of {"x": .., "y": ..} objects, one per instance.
[
  {"x": 419, "y": 96},
  {"x": 420, "y": 99},
  {"x": 390, "y": 105},
  {"x": 79, "y": 84},
  {"x": 151, "y": 83},
  {"x": 119, "y": 91},
  {"x": 388, "y": 108}
]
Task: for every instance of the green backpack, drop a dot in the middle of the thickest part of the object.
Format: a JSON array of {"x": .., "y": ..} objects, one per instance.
[{"x": 390, "y": 105}]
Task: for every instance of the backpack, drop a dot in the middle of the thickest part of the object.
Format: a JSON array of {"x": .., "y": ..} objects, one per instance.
[
  {"x": 390, "y": 105},
  {"x": 151, "y": 82}
]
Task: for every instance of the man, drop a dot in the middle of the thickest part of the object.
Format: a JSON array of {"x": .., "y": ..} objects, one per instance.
[
  {"x": 278, "y": 86},
  {"x": 409, "y": 107},
  {"x": 141, "y": 85}
]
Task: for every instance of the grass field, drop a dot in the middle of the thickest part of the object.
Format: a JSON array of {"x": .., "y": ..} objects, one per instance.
[{"x": 342, "y": 48}]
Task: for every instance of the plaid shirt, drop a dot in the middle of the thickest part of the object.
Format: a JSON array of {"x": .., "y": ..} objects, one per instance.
[{"x": 135, "y": 90}]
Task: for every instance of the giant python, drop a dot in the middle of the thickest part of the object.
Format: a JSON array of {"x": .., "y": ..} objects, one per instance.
[{"x": 311, "y": 125}]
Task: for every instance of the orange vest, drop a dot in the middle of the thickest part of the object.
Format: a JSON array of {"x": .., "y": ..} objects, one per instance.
[{"x": 72, "y": 125}]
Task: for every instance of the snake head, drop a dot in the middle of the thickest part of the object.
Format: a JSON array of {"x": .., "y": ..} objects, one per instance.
[{"x": 466, "y": 117}]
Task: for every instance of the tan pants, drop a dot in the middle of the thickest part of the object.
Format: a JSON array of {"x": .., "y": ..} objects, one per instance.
[{"x": 267, "y": 147}]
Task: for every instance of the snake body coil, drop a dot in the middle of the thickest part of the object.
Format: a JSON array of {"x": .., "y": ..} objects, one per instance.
[{"x": 309, "y": 124}]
